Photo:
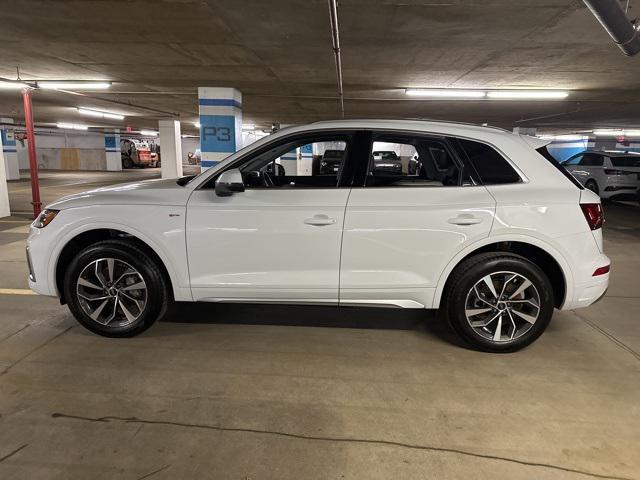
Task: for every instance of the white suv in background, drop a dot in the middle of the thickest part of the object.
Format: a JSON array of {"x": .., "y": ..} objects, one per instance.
[
  {"x": 606, "y": 173},
  {"x": 485, "y": 228}
]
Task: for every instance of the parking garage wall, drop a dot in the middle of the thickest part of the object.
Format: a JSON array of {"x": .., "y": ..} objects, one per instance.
[{"x": 66, "y": 151}]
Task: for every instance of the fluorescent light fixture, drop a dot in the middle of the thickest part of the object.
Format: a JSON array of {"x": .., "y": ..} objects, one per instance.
[
  {"x": 527, "y": 94},
  {"x": 632, "y": 133},
  {"x": 77, "y": 85},
  {"x": 571, "y": 137},
  {"x": 248, "y": 126},
  {"x": 149, "y": 133},
  {"x": 99, "y": 114},
  {"x": 6, "y": 85},
  {"x": 197, "y": 124},
  {"x": 72, "y": 126},
  {"x": 444, "y": 93},
  {"x": 608, "y": 132}
]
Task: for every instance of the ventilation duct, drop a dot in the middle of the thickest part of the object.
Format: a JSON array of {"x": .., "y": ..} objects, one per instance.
[{"x": 610, "y": 14}]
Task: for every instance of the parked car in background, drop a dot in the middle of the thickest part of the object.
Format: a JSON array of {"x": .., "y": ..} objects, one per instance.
[
  {"x": 137, "y": 153},
  {"x": 490, "y": 230},
  {"x": 331, "y": 161},
  {"x": 606, "y": 173},
  {"x": 387, "y": 161}
]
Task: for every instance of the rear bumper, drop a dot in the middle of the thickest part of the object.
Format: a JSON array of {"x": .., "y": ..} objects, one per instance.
[{"x": 589, "y": 291}]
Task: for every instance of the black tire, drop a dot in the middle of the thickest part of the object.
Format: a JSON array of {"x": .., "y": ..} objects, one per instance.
[
  {"x": 157, "y": 296},
  {"x": 473, "y": 270},
  {"x": 593, "y": 186}
]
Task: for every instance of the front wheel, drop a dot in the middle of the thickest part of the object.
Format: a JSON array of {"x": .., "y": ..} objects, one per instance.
[
  {"x": 115, "y": 289},
  {"x": 499, "y": 302}
]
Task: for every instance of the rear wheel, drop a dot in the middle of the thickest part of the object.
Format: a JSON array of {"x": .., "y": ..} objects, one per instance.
[
  {"x": 499, "y": 302},
  {"x": 593, "y": 186},
  {"x": 115, "y": 289}
]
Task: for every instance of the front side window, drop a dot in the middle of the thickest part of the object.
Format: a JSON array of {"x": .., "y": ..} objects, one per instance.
[
  {"x": 399, "y": 161},
  {"x": 492, "y": 167},
  {"x": 592, "y": 160},
  {"x": 302, "y": 163},
  {"x": 575, "y": 160}
]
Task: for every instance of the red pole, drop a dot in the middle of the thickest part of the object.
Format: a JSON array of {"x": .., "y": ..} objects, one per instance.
[{"x": 31, "y": 144}]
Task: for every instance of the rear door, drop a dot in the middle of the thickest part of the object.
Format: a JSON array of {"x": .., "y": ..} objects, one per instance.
[{"x": 402, "y": 228}]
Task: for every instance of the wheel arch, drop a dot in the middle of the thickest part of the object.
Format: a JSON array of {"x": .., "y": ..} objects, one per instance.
[
  {"x": 549, "y": 259},
  {"x": 86, "y": 236}
]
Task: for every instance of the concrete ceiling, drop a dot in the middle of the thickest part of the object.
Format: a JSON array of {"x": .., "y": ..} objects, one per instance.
[{"x": 278, "y": 53}]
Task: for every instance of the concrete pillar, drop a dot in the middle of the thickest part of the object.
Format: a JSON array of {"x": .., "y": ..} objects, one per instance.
[
  {"x": 4, "y": 191},
  {"x": 220, "y": 123},
  {"x": 170, "y": 149},
  {"x": 112, "y": 150},
  {"x": 290, "y": 163},
  {"x": 305, "y": 160},
  {"x": 12, "y": 169}
]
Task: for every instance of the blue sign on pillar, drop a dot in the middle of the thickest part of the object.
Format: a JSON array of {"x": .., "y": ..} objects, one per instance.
[
  {"x": 220, "y": 123},
  {"x": 9, "y": 150}
]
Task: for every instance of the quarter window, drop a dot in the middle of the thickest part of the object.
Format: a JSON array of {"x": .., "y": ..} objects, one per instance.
[{"x": 492, "y": 167}]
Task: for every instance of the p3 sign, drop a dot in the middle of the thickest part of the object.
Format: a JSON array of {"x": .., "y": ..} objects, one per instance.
[{"x": 218, "y": 133}]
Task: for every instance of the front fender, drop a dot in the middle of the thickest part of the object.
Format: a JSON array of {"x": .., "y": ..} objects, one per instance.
[{"x": 163, "y": 233}]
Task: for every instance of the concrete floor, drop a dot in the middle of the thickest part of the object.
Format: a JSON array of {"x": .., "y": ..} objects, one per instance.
[{"x": 254, "y": 392}]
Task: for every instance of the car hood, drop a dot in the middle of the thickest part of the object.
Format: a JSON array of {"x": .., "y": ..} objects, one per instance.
[{"x": 146, "y": 192}]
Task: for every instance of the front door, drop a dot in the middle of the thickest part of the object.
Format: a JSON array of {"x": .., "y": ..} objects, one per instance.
[{"x": 280, "y": 239}]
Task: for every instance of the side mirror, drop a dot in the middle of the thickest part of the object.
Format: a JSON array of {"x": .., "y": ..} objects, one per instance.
[{"x": 229, "y": 182}]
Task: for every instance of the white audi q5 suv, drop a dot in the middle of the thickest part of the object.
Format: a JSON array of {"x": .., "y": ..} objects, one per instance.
[{"x": 480, "y": 223}]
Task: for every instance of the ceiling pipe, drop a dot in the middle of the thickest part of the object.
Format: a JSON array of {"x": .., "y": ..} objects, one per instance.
[
  {"x": 335, "y": 37},
  {"x": 613, "y": 18}
]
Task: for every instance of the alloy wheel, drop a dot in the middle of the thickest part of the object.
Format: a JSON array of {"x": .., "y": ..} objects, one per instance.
[
  {"x": 111, "y": 292},
  {"x": 502, "y": 306}
]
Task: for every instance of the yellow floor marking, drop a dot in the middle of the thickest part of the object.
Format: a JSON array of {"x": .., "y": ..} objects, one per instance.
[{"x": 16, "y": 291}]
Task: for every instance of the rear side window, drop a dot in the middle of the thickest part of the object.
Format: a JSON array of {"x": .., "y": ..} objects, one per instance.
[
  {"x": 492, "y": 167},
  {"x": 625, "y": 161}
]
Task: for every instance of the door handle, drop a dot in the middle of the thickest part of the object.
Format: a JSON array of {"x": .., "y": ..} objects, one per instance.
[
  {"x": 320, "y": 220},
  {"x": 465, "y": 219}
]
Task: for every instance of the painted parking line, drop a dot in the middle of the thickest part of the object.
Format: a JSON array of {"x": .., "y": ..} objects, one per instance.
[{"x": 16, "y": 291}]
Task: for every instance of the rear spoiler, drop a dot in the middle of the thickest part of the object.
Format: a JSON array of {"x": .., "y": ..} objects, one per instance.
[{"x": 535, "y": 142}]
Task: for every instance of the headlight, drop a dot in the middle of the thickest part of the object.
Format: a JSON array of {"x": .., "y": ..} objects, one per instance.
[{"x": 45, "y": 218}]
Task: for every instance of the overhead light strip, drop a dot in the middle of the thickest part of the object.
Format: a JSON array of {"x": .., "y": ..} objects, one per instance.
[
  {"x": 7, "y": 85},
  {"x": 99, "y": 114},
  {"x": 73, "y": 85},
  {"x": 149, "y": 133},
  {"x": 469, "y": 94},
  {"x": 72, "y": 126}
]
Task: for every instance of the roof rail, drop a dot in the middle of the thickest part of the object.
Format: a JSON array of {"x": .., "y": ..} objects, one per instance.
[{"x": 416, "y": 119}]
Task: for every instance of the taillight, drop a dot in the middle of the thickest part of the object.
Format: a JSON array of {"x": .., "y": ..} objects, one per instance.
[
  {"x": 601, "y": 270},
  {"x": 593, "y": 214},
  {"x": 608, "y": 171}
]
